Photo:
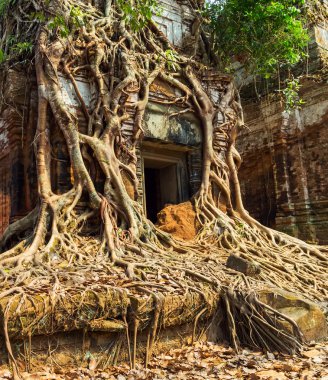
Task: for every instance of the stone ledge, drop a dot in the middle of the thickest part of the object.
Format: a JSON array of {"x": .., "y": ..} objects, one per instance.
[{"x": 308, "y": 316}]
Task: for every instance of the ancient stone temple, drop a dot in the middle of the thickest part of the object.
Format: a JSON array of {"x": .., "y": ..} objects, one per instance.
[
  {"x": 118, "y": 135},
  {"x": 284, "y": 171},
  {"x": 284, "y": 174},
  {"x": 17, "y": 172},
  {"x": 169, "y": 158}
]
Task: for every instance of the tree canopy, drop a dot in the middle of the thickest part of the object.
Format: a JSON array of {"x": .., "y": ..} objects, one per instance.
[{"x": 261, "y": 34}]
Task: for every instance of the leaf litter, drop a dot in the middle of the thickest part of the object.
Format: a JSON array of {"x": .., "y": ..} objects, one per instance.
[{"x": 202, "y": 361}]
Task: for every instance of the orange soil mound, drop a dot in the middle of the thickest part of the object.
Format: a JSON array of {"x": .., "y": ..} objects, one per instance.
[{"x": 179, "y": 220}]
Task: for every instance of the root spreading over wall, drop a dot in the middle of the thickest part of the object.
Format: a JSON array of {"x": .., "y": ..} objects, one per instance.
[{"x": 57, "y": 279}]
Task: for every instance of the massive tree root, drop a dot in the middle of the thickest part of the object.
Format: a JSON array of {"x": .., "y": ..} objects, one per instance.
[{"x": 122, "y": 65}]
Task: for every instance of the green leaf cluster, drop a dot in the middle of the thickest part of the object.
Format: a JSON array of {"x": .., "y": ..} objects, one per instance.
[
  {"x": 15, "y": 49},
  {"x": 64, "y": 28},
  {"x": 77, "y": 16},
  {"x": 171, "y": 60},
  {"x": 4, "y": 5},
  {"x": 59, "y": 23},
  {"x": 261, "y": 34},
  {"x": 291, "y": 96},
  {"x": 23, "y": 47},
  {"x": 138, "y": 13},
  {"x": 2, "y": 56}
]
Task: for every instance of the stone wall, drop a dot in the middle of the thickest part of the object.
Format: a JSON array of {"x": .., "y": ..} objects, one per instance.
[
  {"x": 18, "y": 184},
  {"x": 17, "y": 170},
  {"x": 175, "y": 20},
  {"x": 284, "y": 175}
]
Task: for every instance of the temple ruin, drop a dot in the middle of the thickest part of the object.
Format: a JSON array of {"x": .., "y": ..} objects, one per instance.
[
  {"x": 169, "y": 158},
  {"x": 99, "y": 270},
  {"x": 284, "y": 174}
]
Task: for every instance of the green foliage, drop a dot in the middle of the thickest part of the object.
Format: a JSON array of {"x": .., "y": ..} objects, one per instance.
[
  {"x": 23, "y": 47},
  {"x": 291, "y": 96},
  {"x": 241, "y": 228},
  {"x": 2, "y": 56},
  {"x": 38, "y": 16},
  {"x": 77, "y": 20},
  {"x": 59, "y": 23},
  {"x": 171, "y": 58},
  {"x": 4, "y": 4},
  {"x": 261, "y": 34},
  {"x": 11, "y": 40},
  {"x": 15, "y": 48},
  {"x": 139, "y": 13},
  {"x": 77, "y": 17}
]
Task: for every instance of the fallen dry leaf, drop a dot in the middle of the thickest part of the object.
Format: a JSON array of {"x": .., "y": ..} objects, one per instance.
[
  {"x": 270, "y": 375},
  {"x": 203, "y": 361},
  {"x": 311, "y": 353}
]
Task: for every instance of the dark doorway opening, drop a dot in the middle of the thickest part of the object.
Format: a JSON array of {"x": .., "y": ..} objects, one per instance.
[
  {"x": 161, "y": 185},
  {"x": 151, "y": 188},
  {"x": 165, "y": 181}
]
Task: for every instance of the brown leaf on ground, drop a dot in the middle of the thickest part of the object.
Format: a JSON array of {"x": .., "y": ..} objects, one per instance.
[
  {"x": 311, "y": 353},
  {"x": 203, "y": 361}
]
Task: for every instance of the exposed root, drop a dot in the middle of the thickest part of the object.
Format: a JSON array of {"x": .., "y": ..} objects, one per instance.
[{"x": 255, "y": 324}]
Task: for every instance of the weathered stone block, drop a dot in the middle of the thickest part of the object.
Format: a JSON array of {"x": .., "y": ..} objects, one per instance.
[
  {"x": 249, "y": 268},
  {"x": 308, "y": 316}
]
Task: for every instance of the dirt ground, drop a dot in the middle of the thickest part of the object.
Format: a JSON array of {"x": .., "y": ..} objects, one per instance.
[
  {"x": 203, "y": 361},
  {"x": 179, "y": 220}
]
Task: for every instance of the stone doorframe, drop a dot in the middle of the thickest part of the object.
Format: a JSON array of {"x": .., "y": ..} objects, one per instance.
[{"x": 175, "y": 155}]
